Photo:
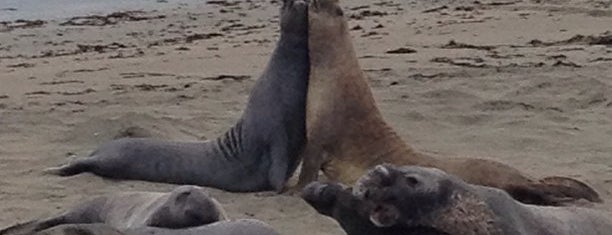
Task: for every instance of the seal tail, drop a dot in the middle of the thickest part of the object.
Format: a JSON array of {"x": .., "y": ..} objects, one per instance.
[
  {"x": 72, "y": 168},
  {"x": 21, "y": 228},
  {"x": 554, "y": 191},
  {"x": 32, "y": 226}
]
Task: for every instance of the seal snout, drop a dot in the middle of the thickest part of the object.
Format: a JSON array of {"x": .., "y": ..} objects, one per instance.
[
  {"x": 322, "y": 196},
  {"x": 300, "y": 6},
  {"x": 377, "y": 177},
  {"x": 317, "y": 192}
]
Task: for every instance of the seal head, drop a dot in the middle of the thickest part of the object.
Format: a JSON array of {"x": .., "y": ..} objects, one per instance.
[{"x": 187, "y": 206}]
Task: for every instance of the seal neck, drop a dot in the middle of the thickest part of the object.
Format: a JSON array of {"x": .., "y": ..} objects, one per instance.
[{"x": 466, "y": 215}]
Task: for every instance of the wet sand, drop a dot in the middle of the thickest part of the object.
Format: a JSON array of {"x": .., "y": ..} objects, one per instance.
[{"x": 526, "y": 83}]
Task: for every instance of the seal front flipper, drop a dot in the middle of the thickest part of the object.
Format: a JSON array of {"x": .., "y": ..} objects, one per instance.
[{"x": 312, "y": 161}]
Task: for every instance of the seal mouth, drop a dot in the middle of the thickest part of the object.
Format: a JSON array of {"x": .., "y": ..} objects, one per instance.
[{"x": 384, "y": 215}]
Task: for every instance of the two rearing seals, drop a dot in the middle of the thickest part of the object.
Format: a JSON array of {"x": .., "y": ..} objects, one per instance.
[
  {"x": 185, "y": 206},
  {"x": 346, "y": 133},
  {"x": 259, "y": 153}
]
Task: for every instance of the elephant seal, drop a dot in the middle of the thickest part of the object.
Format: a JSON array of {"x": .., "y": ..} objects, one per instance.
[
  {"x": 346, "y": 133},
  {"x": 81, "y": 229},
  {"x": 185, "y": 206},
  {"x": 236, "y": 227},
  {"x": 337, "y": 201},
  {"x": 411, "y": 195},
  {"x": 259, "y": 153}
]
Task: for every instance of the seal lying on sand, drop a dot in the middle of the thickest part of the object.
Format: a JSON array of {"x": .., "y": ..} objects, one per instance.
[
  {"x": 81, "y": 229},
  {"x": 411, "y": 196},
  {"x": 336, "y": 201},
  {"x": 259, "y": 153},
  {"x": 346, "y": 133},
  {"x": 185, "y": 206},
  {"x": 237, "y": 227}
]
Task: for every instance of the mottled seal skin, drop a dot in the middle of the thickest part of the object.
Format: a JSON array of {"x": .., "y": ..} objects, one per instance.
[
  {"x": 259, "y": 153},
  {"x": 237, "y": 227},
  {"x": 411, "y": 195},
  {"x": 337, "y": 201},
  {"x": 185, "y": 206},
  {"x": 346, "y": 133}
]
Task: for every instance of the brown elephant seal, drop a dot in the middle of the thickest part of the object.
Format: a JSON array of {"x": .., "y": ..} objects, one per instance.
[
  {"x": 185, "y": 206},
  {"x": 411, "y": 195},
  {"x": 259, "y": 153},
  {"x": 338, "y": 202},
  {"x": 346, "y": 133},
  {"x": 235, "y": 227}
]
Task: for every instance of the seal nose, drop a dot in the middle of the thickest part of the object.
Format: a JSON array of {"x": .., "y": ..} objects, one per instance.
[
  {"x": 300, "y": 5},
  {"x": 382, "y": 170},
  {"x": 313, "y": 189}
]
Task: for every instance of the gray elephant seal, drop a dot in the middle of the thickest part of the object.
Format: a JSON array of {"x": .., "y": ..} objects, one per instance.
[
  {"x": 412, "y": 195},
  {"x": 347, "y": 134},
  {"x": 185, "y": 206},
  {"x": 237, "y": 227},
  {"x": 338, "y": 202},
  {"x": 258, "y": 154},
  {"x": 81, "y": 229}
]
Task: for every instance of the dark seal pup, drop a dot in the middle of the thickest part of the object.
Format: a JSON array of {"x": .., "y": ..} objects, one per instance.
[
  {"x": 337, "y": 201},
  {"x": 411, "y": 196},
  {"x": 258, "y": 154},
  {"x": 236, "y": 227},
  {"x": 185, "y": 206},
  {"x": 347, "y": 135}
]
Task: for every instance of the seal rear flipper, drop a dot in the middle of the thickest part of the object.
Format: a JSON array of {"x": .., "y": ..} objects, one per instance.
[
  {"x": 572, "y": 188},
  {"x": 22, "y": 228},
  {"x": 72, "y": 168},
  {"x": 553, "y": 191}
]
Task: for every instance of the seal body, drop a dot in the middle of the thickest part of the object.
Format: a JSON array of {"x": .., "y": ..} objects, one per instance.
[
  {"x": 236, "y": 227},
  {"x": 411, "y": 196},
  {"x": 185, "y": 206},
  {"x": 346, "y": 133},
  {"x": 259, "y": 153},
  {"x": 81, "y": 229}
]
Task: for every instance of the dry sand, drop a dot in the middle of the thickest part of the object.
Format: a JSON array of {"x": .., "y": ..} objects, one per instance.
[{"x": 519, "y": 85}]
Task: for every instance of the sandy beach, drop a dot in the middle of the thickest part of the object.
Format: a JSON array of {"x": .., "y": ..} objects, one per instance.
[{"x": 527, "y": 83}]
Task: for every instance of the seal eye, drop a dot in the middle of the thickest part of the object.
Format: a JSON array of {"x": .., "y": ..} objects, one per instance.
[{"x": 412, "y": 181}]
